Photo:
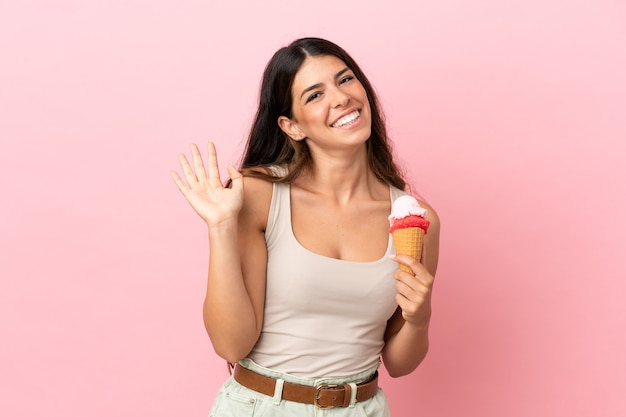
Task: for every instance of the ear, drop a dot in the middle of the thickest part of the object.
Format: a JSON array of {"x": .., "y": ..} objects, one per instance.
[{"x": 290, "y": 127}]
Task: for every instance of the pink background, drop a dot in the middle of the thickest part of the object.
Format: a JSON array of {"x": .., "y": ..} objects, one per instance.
[{"x": 508, "y": 115}]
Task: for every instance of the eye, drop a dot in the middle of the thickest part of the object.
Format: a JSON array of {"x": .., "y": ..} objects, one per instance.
[
  {"x": 313, "y": 97},
  {"x": 346, "y": 79}
]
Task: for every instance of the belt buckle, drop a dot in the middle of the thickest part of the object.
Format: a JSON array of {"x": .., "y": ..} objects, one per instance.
[{"x": 316, "y": 397}]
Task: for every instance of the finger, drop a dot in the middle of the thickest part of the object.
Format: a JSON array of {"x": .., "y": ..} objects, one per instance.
[
  {"x": 179, "y": 182},
  {"x": 422, "y": 276},
  {"x": 419, "y": 271},
  {"x": 236, "y": 178},
  {"x": 411, "y": 290},
  {"x": 405, "y": 260},
  {"x": 417, "y": 283},
  {"x": 198, "y": 163},
  {"x": 403, "y": 289},
  {"x": 214, "y": 172},
  {"x": 410, "y": 301},
  {"x": 190, "y": 176},
  {"x": 407, "y": 306}
]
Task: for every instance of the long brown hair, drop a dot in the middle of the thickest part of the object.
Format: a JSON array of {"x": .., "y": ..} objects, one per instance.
[{"x": 268, "y": 145}]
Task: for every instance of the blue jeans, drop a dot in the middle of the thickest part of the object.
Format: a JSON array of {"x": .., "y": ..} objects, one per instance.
[{"x": 235, "y": 400}]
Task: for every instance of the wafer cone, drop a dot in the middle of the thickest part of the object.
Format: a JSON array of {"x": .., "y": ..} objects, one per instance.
[{"x": 408, "y": 241}]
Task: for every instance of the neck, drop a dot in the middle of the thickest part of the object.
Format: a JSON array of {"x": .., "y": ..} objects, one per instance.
[{"x": 340, "y": 177}]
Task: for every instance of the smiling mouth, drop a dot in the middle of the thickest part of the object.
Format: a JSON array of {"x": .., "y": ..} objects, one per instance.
[{"x": 347, "y": 119}]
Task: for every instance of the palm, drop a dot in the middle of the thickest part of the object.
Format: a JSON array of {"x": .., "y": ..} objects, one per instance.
[{"x": 203, "y": 188}]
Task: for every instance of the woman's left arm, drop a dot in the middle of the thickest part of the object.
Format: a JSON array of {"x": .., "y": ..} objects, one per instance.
[{"x": 406, "y": 337}]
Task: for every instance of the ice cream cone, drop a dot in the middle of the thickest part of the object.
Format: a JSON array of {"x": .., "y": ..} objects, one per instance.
[
  {"x": 408, "y": 241},
  {"x": 408, "y": 225}
]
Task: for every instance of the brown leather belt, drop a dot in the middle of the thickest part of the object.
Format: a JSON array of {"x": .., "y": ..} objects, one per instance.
[{"x": 322, "y": 396}]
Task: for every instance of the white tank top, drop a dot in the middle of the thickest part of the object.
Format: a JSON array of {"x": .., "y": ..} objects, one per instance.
[{"x": 323, "y": 316}]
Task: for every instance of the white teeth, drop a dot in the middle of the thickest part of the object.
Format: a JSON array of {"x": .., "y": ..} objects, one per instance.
[{"x": 346, "y": 119}]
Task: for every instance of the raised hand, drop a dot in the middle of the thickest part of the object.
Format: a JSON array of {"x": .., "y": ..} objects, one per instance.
[{"x": 205, "y": 191}]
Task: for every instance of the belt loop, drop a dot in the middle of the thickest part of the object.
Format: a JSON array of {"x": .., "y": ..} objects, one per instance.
[
  {"x": 352, "y": 394},
  {"x": 278, "y": 391}
]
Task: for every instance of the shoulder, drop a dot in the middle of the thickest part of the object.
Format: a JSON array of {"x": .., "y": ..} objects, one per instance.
[
  {"x": 257, "y": 198},
  {"x": 430, "y": 257},
  {"x": 431, "y": 216}
]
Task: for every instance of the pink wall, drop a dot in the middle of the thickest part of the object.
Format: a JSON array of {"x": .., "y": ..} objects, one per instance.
[{"x": 509, "y": 116}]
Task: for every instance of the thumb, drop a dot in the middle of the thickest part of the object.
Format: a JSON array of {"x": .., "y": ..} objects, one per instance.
[{"x": 236, "y": 177}]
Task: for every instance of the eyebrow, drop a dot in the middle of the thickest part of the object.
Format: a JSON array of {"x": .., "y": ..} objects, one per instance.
[{"x": 318, "y": 85}]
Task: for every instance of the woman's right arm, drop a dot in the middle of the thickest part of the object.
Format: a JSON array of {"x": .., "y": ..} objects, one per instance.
[
  {"x": 236, "y": 219},
  {"x": 235, "y": 299}
]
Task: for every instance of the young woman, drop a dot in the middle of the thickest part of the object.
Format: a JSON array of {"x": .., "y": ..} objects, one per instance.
[{"x": 304, "y": 293}]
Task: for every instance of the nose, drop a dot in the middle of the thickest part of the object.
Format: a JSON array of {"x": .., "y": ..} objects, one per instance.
[{"x": 339, "y": 98}]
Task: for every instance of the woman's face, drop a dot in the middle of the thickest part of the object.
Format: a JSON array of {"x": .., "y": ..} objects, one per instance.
[{"x": 330, "y": 105}]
